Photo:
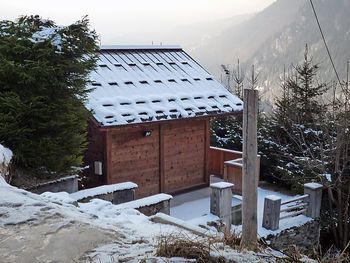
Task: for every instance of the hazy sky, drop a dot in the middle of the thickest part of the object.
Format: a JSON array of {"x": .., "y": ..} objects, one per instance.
[{"x": 131, "y": 16}]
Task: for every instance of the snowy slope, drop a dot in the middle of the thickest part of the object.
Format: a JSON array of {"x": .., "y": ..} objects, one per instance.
[{"x": 34, "y": 229}]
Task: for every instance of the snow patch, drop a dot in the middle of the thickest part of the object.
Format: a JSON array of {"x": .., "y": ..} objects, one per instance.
[
  {"x": 46, "y": 33},
  {"x": 59, "y": 198},
  {"x": 5, "y": 155},
  {"x": 146, "y": 201},
  {"x": 100, "y": 190},
  {"x": 273, "y": 197},
  {"x": 221, "y": 185},
  {"x": 313, "y": 185}
]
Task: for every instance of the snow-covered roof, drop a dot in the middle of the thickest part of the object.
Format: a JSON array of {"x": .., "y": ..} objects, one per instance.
[{"x": 134, "y": 84}]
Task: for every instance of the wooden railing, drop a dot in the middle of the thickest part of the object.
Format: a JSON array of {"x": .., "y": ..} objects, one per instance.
[
  {"x": 294, "y": 207},
  {"x": 217, "y": 158},
  {"x": 308, "y": 204},
  {"x": 227, "y": 164}
]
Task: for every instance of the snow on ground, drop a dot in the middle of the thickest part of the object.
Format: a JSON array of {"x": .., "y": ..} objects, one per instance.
[
  {"x": 194, "y": 207},
  {"x": 29, "y": 223},
  {"x": 103, "y": 189},
  {"x": 51, "y": 228},
  {"x": 5, "y": 155}
]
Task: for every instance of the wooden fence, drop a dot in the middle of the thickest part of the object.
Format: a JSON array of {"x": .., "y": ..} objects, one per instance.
[
  {"x": 217, "y": 158},
  {"x": 308, "y": 204},
  {"x": 227, "y": 164}
]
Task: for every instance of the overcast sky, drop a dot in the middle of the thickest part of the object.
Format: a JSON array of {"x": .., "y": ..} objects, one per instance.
[{"x": 131, "y": 16}]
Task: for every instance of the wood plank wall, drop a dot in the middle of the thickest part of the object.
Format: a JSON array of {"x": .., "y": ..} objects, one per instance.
[
  {"x": 172, "y": 159},
  {"x": 94, "y": 152},
  {"x": 217, "y": 157},
  {"x": 184, "y": 155},
  {"x": 135, "y": 157}
]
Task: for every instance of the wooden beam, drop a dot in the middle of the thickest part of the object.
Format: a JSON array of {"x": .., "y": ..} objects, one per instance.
[
  {"x": 107, "y": 158},
  {"x": 206, "y": 151},
  {"x": 250, "y": 170},
  {"x": 161, "y": 159}
]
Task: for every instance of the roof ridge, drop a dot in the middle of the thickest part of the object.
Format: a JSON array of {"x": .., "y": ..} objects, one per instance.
[{"x": 139, "y": 47}]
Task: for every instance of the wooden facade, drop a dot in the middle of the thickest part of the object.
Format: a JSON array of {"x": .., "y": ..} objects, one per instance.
[{"x": 170, "y": 156}]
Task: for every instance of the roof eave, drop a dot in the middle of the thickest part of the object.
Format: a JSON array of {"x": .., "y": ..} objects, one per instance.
[{"x": 208, "y": 116}]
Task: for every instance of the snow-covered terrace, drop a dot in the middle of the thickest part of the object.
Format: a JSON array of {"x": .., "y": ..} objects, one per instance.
[{"x": 194, "y": 207}]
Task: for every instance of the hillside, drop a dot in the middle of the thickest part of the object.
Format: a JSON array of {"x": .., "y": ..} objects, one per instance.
[
  {"x": 243, "y": 40},
  {"x": 270, "y": 39},
  {"x": 287, "y": 46},
  {"x": 191, "y": 37},
  {"x": 276, "y": 37}
]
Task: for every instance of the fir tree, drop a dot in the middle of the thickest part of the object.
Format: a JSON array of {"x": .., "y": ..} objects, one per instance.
[
  {"x": 295, "y": 127},
  {"x": 43, "y": 75},
  {"x": 304, "y": 93}
]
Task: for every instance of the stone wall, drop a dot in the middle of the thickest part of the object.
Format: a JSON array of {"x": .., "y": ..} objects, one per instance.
[
  {"x": 305, "y": 238},
  {"x": 116, "y": 197},
  {"x": 161, "y": 207},
  {"x": 67, "y": 184}
]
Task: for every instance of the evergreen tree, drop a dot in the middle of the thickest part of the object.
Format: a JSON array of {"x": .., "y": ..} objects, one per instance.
[
  {"x": 296, "y": 127},
  {"x": 43, "y": 75},
  {"x": 304, "y": 92}
]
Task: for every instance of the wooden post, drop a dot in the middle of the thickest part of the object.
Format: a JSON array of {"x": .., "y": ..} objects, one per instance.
[
  {"x": 221, "y": 202},
  {"x": 272, "y": 209},
  {"x": 206, "y": 152},
  {"x": 250, "y": 170},
  {"x": 314, "y": 190},
  {"x": 161, "y": 159}
]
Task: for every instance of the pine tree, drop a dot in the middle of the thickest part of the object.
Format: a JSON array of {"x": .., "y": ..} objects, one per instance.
[
  {"x": 43, "y": 75},
  {"x": 305, "y": 92},
  {"x": 295, "y": 127}
]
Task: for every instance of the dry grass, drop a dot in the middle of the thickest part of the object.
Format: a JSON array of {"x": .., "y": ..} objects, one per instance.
[
  {"x": 196, "y": 248},
  {"x": 231, "y": 239},
  {"x": 333, "y": 255},
  {"x": 187, "y": 247}
]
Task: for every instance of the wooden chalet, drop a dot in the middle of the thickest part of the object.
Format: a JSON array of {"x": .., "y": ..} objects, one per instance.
[{"x": 151, "y": 108}]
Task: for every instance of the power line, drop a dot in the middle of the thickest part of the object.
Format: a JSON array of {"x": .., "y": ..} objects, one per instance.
[{"x": 325, "y": 43}]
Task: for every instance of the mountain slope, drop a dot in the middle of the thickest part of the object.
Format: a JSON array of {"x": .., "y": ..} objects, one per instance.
[
  {"x": 190, "y": 37},
  {"x": 241, "y": 41},
  {"x": 287, "y": 47}
]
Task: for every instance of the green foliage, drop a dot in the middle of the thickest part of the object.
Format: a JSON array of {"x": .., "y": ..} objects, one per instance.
[
  {"x": 290, "y": 142},
  {"x": 227, "y": 132},
  {"x": 43, "y": 74},
  {"x": 300, "y": 102},
  {"x": 296, "y": 126}
]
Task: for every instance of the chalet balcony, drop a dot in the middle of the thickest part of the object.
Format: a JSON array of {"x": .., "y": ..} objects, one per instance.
[{"x": 227, "y": 164}]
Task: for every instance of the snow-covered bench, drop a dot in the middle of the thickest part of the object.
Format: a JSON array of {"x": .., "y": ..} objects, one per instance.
[{"x": 115, "y": 193}]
